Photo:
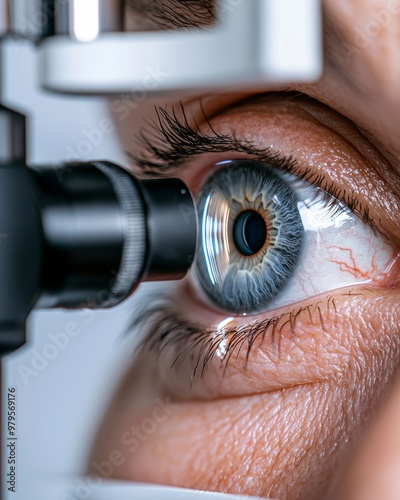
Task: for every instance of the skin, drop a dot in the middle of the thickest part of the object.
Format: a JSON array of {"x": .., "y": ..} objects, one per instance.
[{"x": 315, "y": 415}]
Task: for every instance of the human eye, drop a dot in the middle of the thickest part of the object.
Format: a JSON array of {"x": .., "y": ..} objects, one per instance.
[
  {"x": 269, "y": 239},
  {"x": 317, "y": 237}
]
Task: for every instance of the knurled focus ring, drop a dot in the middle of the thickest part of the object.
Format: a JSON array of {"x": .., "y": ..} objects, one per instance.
[{"x": 134, "y": 249}]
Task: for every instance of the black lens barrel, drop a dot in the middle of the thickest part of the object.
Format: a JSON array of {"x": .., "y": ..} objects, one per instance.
[
  {"x": 105, "y": 232},
  {"x": 85, "y": 235}
]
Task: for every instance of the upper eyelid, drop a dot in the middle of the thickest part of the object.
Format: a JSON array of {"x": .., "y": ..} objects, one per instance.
[{"x": 172, "y": 142}]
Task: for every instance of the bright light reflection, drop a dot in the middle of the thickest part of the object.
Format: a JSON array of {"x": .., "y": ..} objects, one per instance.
[
  {"x": 315, "y": 216},
  {"x": 214, "y": 237},
  {"x": 85, "y": 20},
  {"x": 220, "y": 332}
]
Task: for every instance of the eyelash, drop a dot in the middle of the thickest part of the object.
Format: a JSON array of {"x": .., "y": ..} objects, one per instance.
[
  {"x": 171, "y": 141},
  {"x": 169, "y": 329}
]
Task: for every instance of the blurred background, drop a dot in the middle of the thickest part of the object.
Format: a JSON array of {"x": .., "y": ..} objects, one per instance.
[{"x": 72, "y": 361}]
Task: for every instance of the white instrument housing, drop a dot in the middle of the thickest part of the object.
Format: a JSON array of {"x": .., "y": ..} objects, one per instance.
[{"x": 256, "y": 42}]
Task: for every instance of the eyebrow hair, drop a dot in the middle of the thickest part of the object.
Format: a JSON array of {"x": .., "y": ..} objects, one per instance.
[{"x": 179, "y": 14}]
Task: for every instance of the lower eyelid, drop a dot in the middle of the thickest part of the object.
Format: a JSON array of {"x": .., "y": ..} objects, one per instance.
[
  {"x": 310, "y": 344},
  {"x": 392, "y": 277}
]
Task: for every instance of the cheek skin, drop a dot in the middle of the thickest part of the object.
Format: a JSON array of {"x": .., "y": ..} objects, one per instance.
[
  {"x": 284, "y": 444},
  {"x": 377, "y": 457},
  {"x": 245, "y": 445}
]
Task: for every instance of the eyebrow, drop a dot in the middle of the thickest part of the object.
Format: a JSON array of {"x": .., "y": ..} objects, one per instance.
[{"x": 164, "y": 14}]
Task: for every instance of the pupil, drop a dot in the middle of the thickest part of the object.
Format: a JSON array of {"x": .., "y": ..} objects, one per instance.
[{"x": 249, "y": 232}]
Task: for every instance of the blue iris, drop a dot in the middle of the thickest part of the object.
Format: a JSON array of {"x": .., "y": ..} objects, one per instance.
[{"x": 251, "y": 236}]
